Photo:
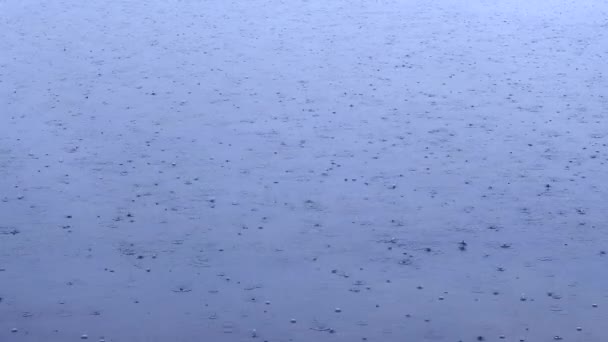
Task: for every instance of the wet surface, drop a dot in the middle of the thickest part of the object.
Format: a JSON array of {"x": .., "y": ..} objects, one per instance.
[{"x": 307, "y": 170}]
